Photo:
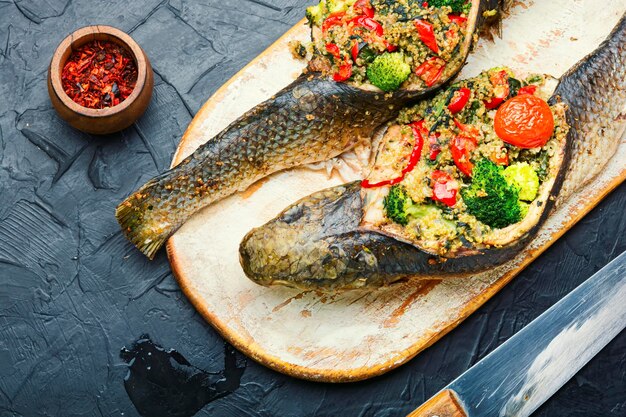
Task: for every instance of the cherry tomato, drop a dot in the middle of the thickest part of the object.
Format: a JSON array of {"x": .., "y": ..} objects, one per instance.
[
  {"x": 459, "y": 100},
  {"x": 364, "y": 7},
  {"x": 430, "y": 70},
  {"x": 461, "y": 148},
  {"x": 529, "y": 89},
  {"x": 354, "y": 51},
  {"x": 524, "y": 121},
  {"x": 427, "y": 34},
  {"x": 444, "y": 188}
]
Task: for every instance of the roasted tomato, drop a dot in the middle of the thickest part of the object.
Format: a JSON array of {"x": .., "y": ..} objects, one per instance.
[{"x": 525, "y": 121}]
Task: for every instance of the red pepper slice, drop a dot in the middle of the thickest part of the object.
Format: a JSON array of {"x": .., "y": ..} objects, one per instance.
[
  {"x": 389, "y": 46},
  {"x": 427, "y": 34},
  {"x": 461, "y": 148},
  {"x": 459, "y": 100},
  {"x": 435, "y": 148},
  {"x": 364, "y": 7},
  {"x": 416, "y": 153},
  {"x": 529, "y": 89},
  {"x": 493, "y": 102},
  {"x": 367, "y": 23},
  {"x": 368, "y": 184},
  {"x": 444, "y": 188},
  {"x": 333, "y": 49},
  {"x": 419, "y": 124},
  {"x": 433, "y": 142},
  {"x": 354, "y": 51},
  {"x": 345, "y": 72},
  {"x": 335, "y": 19},
  {"x": 430, "y": 70},
  {"x": 500, "y": 82},
  {"x": 455, "y": 18}
]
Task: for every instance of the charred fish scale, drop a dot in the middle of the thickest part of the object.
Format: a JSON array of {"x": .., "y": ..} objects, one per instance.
[{"x": 325, "y": 246}]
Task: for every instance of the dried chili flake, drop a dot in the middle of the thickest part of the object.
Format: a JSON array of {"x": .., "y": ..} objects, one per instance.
[{"x": 99, "y": 74}]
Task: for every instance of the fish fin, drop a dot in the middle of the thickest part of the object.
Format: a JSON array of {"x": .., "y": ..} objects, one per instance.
[
  {"x": 131, "y": 220},
  {"x": 490, "y": 15}
]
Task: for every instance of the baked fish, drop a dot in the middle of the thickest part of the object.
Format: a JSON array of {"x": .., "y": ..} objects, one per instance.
[
  {"x": 367, "y": 60},
  {"x": 460, "y": 183}
]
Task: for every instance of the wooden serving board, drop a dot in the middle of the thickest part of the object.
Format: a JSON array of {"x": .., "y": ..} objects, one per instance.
[{"x": 357, "y": 335}]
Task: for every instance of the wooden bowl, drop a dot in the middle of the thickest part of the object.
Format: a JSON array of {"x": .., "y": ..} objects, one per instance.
[{"x": 108, "y": 120}]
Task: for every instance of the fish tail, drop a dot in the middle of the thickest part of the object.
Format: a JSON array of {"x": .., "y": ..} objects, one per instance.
[{"x": 139, "y": 228}]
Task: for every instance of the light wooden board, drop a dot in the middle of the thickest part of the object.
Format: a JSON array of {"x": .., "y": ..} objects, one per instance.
[{"x": 357, "y": 335}]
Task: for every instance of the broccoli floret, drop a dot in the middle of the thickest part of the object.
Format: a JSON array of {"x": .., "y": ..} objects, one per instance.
[
  {"x": 400, "y": 207},
  {"x": 523, "y": 209},
  {"x": 524, "y": 177},
  {"x": 388, "y": 71},
  {"x": 334, "y": 6},
  {"x": 457, "y": 6},
  {"x": 490, "y": 198},
  {"x": 314, "y": 14},
  {"x": 396, "y": 204}
]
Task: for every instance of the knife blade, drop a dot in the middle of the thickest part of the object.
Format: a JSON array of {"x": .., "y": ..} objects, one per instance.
[{"x": 526, "y": 370}]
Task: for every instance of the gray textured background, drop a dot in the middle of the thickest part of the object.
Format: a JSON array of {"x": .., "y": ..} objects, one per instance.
[{"x": 73, "y": 292}]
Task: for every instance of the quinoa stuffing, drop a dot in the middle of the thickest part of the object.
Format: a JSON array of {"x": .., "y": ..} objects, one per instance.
[
  {"x": 388, "y": 44},
  {"x": 467, "y": 167}
]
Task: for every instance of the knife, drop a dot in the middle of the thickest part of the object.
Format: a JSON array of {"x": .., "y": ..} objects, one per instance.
[{"x": 526, "y": 370}]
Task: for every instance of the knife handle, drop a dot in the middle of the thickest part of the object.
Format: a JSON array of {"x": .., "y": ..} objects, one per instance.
[{"x": 444, "y": 404}]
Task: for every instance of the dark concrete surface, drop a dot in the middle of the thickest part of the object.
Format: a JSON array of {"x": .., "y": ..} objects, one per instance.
[{"x": 73, "y": 292}]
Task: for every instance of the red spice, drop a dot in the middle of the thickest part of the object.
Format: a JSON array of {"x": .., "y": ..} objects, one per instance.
[{"x": 99, "y": 74}]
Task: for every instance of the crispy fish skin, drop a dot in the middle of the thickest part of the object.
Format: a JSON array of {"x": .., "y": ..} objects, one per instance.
[
  {"x": 318, "y": 243},
  {"x": 595, "y": 91},
  {"x": 313, "y": 119}
]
